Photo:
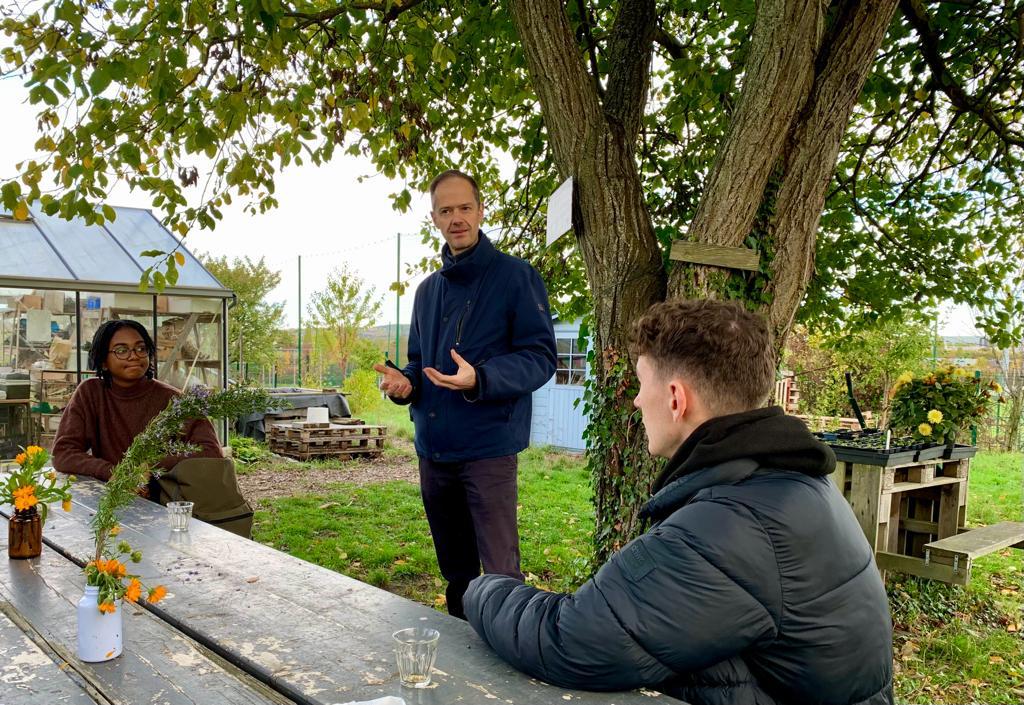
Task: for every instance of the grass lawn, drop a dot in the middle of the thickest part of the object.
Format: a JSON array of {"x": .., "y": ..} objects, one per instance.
[
  {"x": 952, "y": 644},
  {"x": 378, "y": 533},
  {"x": 957, "y": 645}
]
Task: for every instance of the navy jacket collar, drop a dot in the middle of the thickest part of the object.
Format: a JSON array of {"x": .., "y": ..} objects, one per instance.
[{"x": 472, "y": 265}]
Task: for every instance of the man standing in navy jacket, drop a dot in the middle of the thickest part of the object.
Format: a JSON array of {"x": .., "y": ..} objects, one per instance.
[{"x": 480, "y": 342}]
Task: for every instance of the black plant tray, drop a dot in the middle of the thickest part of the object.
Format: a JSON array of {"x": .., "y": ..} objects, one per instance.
[
  {"x": 930, "y": 453},
  {"x": 958, "y": 452},
  {"x": 838, "y": 436},
  {"x": 885, "y": 458}
]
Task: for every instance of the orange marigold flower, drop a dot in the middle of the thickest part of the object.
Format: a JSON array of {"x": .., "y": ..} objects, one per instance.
[
  {"x": 156, "y": 594},
  {"x": 115, "y": 530},
  {"x": 33, "y": 450},
  {"x": 133, "y": 591},
  {"x": 108, "y": 607},
  {"x": 116, "y": 568},
  {"x": 25, "y": 500},
  {"x": 20, "y": 458},
  {"x": 66, "y": 505},
  {"x": 24, "y": 491}
]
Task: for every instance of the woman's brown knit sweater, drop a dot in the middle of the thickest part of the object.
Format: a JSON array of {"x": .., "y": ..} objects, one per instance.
[{"x": 100, "y": 422}]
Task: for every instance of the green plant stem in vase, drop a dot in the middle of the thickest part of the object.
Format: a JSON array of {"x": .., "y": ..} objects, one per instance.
[{"x": 160, "y": 438}]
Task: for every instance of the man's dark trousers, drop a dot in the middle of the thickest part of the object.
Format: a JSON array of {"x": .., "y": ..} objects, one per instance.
[{"x": 471, "y": 509}]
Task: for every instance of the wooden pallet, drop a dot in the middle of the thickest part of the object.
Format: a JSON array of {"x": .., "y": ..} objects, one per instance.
[
  {"x": 307, "y": 434},
  {"x": 306, "y": 441},
  {"x": 313, "y": 453},
  {"x": 914, "y": 516}
]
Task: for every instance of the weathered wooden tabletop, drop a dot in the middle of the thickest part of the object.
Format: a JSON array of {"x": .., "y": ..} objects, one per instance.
[{"x": 239, "y": 612}]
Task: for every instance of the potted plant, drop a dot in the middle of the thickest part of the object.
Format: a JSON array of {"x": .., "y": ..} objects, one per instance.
[
  {"x": 940, "y": 406},
  {"x": 29, "y": 489},
  {"x": 108, "y": 582}
]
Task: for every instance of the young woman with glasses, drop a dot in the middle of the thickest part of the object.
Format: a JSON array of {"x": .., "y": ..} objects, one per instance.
[{"x": 108, "y": 411}]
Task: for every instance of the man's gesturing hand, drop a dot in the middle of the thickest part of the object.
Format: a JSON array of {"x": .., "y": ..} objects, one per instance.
[
  {"x": 462, "y": 381},
  {"x": 395, "y": 384}
]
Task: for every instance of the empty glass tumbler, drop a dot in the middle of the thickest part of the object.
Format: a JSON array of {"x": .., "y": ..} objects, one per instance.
[
  {"x": 416, "y": 649},
  {"x": 179, "y": 514}
]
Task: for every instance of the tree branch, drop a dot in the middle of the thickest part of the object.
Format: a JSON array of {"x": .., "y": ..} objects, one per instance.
[
  {"x": 917, "y": 16},
  {"x": 588, "y": 36},
  {"x": 629, "y": 60},
  {"x": 569, "y": 103},
  {"x": 672, "y": 46},
  {"x": 389, "y": 9},
  {"x": 778, "y": 78},
  {"x": 844, "y": 61}
]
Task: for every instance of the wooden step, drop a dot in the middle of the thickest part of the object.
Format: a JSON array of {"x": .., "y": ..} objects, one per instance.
[{"x": 961, "y": 550}]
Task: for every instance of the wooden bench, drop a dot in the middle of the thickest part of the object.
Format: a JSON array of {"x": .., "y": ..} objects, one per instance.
[{"x": 957, "y": 553}]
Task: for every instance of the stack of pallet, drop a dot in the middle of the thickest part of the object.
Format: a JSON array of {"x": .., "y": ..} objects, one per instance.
[{"x": 305, "y": 440}]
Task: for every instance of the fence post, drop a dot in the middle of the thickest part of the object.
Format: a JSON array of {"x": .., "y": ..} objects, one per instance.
[{"x": 974, "y": 429}]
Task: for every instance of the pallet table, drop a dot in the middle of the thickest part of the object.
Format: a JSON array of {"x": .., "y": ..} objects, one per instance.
[{"x": 913, "y": 513}]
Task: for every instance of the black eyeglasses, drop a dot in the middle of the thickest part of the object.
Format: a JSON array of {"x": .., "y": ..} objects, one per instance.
[{"x": 123, "y": 352}]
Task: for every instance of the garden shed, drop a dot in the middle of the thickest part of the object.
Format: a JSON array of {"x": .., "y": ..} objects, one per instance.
[
  {"x": 60, "y": 279},
  {"x": 557, "y": 419}
]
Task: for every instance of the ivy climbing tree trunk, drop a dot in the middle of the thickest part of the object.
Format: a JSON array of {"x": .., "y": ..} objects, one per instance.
[
  {"x": 593, "y": 141},
  {"x": 803, "y": 80}
]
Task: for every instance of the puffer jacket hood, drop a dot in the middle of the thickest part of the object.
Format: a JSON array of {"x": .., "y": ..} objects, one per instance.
[{"x": 735, "y": 445}]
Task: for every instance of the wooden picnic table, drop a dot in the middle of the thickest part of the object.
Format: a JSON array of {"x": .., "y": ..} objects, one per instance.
[{"x": 242, "y": 623}]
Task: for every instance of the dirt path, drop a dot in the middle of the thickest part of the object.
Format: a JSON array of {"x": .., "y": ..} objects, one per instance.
[{"x": 282, "y": 477}]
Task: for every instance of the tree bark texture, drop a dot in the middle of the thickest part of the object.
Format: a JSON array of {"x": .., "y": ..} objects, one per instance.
[
  {"x": 776, "y": 82},
  {"x": 809, "y": 159},
  {"x": 805, "y": 157},
  {"x": 594, "y": 143},
  {"x": 1011, "y": 441}
]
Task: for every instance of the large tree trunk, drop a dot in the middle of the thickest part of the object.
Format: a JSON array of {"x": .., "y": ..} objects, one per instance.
[
  {"x": 801, "y": 83},
  {"x": 594, "y": 143},
  {"x": 800, "y": 135}
]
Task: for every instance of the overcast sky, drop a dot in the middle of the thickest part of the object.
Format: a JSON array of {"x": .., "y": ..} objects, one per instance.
[{"x": 325, "y": 214}]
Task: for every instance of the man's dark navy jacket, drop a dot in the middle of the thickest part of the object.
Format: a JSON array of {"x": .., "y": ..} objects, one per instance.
[{"x": 493, "y": 309}]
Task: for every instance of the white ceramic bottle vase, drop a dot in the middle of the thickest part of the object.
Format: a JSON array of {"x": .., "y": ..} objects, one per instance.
[{"x": 99, "y": 634}]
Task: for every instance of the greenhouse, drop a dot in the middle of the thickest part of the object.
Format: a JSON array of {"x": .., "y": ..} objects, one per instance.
[{"x": 60, "y": 279}]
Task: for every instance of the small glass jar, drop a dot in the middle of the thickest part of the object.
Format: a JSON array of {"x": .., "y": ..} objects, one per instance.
[{"x": 25, "y": 534}]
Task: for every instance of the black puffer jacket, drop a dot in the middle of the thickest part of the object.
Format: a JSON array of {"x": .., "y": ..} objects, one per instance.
[{"x": 754, "y": 585}]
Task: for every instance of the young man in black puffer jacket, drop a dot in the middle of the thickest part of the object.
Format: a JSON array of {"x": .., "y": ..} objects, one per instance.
[{"x": 754, "y": 583}]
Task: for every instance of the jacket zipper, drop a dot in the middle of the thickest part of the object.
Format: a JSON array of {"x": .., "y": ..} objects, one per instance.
[{"x": 458, "y": 325}]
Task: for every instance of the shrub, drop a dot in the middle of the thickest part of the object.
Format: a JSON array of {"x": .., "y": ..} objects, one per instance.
[
  {"x": 247, "y": 450},
  {"x": 362, "y": 391},
  {"x": 942, "y": 405}
]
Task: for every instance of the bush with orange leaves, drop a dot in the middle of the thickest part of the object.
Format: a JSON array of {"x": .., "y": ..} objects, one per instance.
[
  {"x": 114, "y": 581},
  {"x": 30, "y": 489}
]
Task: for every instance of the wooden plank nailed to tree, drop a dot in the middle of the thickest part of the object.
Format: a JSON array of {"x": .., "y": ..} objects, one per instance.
[{"x": 715, "y": 255}]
